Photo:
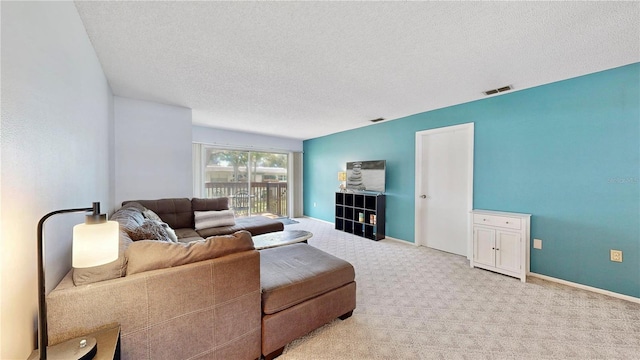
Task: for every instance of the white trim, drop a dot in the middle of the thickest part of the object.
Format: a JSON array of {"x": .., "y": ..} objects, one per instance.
[
  {"x": 418, "y": 179},
  {"x": 586, "y": 287},
  {"x": 244, "y": 147},
  {"x": 296, "y": 196},
  {"x": 244, "y": 139},
  {"x": 324, "y": 221},
  {"x": 197, "y": 164},
  {"x": 400, "y": 241},
  {"x": 417, "y": 229}
]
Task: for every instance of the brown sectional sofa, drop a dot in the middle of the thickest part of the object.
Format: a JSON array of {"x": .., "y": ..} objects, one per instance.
[
  {"x": 208, "y": 309},
  {"x": 233, "y": 302},
  {"x": 178, "y": 214}
]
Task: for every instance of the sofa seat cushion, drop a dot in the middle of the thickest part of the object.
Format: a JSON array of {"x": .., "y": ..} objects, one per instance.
[
  {"x": 186, "y": 235},
  {"x": 292, "y": 274},
  {"x": 256, "y": 225}
]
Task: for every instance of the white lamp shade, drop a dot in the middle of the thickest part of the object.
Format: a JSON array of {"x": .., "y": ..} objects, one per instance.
[{"x": 95, "y": 244}]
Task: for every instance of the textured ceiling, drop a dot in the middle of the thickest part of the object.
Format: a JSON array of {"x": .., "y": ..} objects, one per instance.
[{"x": 307, "y": 69}]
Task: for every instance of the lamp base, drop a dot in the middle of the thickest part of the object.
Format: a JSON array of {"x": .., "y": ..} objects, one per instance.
[{"x": 71, "y": 349}]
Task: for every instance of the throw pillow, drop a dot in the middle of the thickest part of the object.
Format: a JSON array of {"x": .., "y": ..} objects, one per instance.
[
  {"x": 209, "y": 219},
  {"x": 170, "y": 232},
  {"x": 149, "y": 230},
  {"x": 146, "y": 255},
  {"x": 129, "y": 218},
  {"x": 149, "y": 214},
  {"x": 134, "y": 205}
]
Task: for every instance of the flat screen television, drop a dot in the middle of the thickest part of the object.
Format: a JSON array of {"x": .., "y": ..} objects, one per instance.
[{"x": 366, "y": 175}]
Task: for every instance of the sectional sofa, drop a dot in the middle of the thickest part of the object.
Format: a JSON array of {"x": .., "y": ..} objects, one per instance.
[
  {"x": 211, "y": 298},
  {"x": 172, "y": 301},
  {"x": 178, "y": 213}
]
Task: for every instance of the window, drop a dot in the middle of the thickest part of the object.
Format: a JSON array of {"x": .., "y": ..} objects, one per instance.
[{"x": 255, "y": 182}]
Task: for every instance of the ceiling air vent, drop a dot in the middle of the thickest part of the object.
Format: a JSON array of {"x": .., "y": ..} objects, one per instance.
[
  {"x": 376, "y": 120},
  {"x": 498, "y": 90}
]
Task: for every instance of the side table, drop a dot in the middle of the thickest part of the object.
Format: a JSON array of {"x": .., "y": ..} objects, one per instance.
[{"x": 107, "y": 340}]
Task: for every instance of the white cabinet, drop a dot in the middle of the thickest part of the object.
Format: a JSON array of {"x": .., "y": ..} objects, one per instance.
[{"x": 501, "y": 242}]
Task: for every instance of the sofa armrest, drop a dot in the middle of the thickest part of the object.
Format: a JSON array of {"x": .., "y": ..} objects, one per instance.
[{"x": 208, "y": 307}]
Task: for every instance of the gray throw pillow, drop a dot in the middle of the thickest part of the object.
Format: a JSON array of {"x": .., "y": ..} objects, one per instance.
[
  {"x": 209, "y": 219},
  {"x": 149, "y": 214},
  {"x": 149, "y": 230}
]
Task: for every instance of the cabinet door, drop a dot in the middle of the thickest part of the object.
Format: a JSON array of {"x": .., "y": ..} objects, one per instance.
[
  {"x": 508, "y": 248},
  {"x": 483, "y": 246}
]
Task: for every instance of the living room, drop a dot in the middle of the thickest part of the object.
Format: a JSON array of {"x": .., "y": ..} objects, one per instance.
[{"x": 67, "y": 140}]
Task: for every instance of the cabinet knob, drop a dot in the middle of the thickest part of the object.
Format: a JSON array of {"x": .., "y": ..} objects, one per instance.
[
  {"x": 423, "y": 196},
  {"x": 497, "y": 249}
]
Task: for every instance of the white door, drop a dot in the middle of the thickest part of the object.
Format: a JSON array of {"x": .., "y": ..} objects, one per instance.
[{"x": 444, "y": 188}]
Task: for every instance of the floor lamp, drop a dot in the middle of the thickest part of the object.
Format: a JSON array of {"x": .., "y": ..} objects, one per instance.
[{"x": 94, "y": 243}]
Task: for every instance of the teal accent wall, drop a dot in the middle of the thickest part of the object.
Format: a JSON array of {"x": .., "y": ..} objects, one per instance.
[{"x": 568, "y": 153}]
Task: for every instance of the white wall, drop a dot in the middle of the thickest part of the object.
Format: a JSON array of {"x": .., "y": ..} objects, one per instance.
[
  {"x": 243, "y": 140},
  {"x": 152, "y": 150},
  {"x": 55, "y": 150}
]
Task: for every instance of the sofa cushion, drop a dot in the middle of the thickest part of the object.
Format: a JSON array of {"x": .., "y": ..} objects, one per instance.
[
  {"x": 221, "y": 203},
  {"x": 256, "y": 225},
  {"x": 214, "y": 218},
  {"x": 175, "y": 212},
  {"x": 292, "y": 274},
  {"x": 148, "y": 255},
  {"x": 187, "y": 235}
]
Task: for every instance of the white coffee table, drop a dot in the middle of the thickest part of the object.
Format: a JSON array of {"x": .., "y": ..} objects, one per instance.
[{"x": 280, "y": 238}]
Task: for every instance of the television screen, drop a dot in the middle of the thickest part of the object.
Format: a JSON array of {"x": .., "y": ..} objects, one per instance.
[{"x": 366, "y": 175}]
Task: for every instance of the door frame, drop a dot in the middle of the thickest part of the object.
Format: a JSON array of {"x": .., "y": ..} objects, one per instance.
[{"x": 418, "y": 180}]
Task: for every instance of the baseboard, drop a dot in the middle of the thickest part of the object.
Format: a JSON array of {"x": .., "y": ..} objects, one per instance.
[
  {"x": 316, "y": 219},
  {"x": 385, "y": 238},
  {"x": 399, "y": 240},
  {"x": 588, "y": 288}
]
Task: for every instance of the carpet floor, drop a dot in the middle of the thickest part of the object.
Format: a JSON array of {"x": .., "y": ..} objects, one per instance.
[{"x": 419, "y": 303}]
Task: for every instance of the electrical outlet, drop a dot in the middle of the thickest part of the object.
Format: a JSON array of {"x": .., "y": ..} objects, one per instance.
[
  {"x": 537, "y": 244},
  {"x": 616, "y": 255}
]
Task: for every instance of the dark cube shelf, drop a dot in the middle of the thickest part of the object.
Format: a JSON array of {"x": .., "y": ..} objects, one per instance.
[{"x": 361, "y": 214}]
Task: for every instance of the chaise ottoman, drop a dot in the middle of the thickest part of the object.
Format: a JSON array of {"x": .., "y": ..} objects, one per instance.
[{"x": 303, "y": 288}]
